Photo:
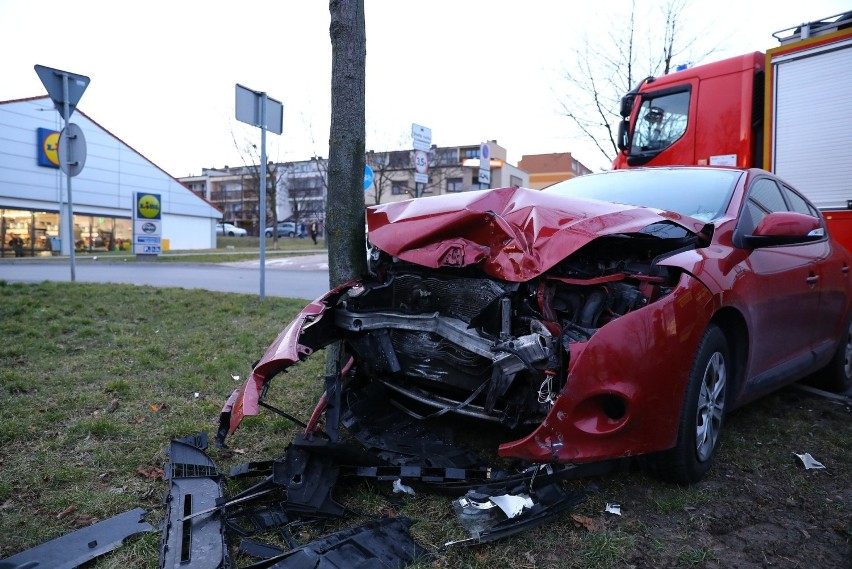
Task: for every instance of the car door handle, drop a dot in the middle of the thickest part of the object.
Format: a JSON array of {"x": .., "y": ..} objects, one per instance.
[
  {"x": 812, "y": 280},
  {"x": 845, "y": 270}
]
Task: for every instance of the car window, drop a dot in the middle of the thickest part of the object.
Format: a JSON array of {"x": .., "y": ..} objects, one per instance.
[
  {"x": 764, "y": 197},
  {"x": 798, "y": 203},
  {"x": 700, "y": 193}
]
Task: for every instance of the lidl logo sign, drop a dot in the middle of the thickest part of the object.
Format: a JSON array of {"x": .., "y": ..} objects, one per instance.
[
  {"x": 48, "y": 148},
  {"x": 148, "y": 206}
]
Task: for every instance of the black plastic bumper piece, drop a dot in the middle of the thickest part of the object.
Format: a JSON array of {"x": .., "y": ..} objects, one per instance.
[
  {"x": 74, "y": 549},
  {"x": 384, "y": 543},
  {"x": 191, "y": 539}
]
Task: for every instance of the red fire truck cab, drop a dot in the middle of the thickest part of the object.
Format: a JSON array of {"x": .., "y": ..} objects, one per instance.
[{"x": 785, "y": 111}]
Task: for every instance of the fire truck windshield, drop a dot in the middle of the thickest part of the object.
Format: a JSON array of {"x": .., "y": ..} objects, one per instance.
[{"x": 660, "y": 121}]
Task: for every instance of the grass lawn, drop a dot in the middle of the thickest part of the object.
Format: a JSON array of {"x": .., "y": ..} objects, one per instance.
[{"x": 95, "y": 380}]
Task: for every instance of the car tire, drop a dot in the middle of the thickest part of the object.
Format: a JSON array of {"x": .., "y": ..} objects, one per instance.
[
  {"x": 268, "y": 234},
  {"x": 837, "y": 375},
  {"x": 291, "y": 234},
  {"x": 702, "y": 414},
  {"x": 230, "y": 234}
]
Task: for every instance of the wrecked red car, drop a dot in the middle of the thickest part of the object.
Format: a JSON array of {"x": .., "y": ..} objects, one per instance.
[{"x": 607, "y": 316}]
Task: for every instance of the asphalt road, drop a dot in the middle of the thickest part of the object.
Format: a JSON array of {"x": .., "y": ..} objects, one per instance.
[{"x": 303, "y": 277}]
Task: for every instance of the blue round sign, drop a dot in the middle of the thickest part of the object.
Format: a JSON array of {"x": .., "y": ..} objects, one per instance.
[{"x": 368, "y": 177}]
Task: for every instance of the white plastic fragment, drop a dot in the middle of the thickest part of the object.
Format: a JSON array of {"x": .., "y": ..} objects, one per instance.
[
  {"x": 613, "y": 509},
  {"x": 196, "y": 395},
  {"x": 809, "y": 462},
  {"x": 235, "y": 377},
  {"x": 512, "y": 505},
  {"x": 399, "y": 488}
]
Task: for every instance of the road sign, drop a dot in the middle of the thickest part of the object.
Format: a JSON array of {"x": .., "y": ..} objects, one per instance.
[
  {"x": 53, "y": 81},
  {"x": 484, "y": 164},
  {"x": 248, "y": 107},
  {"x": 368, "y": 177},
  {"x": 72, "y": 149},
  {"x": 421, "y": 167},
  {"x": 421, "y": 162},
  {"x": 421, "y": 136}
]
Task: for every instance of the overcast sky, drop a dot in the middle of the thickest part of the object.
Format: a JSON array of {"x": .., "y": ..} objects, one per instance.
[{"x": 163, "y": 73}]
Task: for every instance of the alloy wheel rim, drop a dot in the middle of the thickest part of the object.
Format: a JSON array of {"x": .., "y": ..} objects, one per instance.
[{"x": 711, "y": 406}]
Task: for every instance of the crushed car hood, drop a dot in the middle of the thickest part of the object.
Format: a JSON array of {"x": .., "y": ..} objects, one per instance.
[{"x": 515, "y": 233}]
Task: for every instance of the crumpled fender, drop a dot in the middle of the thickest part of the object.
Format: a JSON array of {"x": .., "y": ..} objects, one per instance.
[
  {"x": 642, "y": 359},
  {"x": 307, "y": 333}
]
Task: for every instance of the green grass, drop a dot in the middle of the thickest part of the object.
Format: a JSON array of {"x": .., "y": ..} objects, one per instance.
[{"x": 95, "y": 380}]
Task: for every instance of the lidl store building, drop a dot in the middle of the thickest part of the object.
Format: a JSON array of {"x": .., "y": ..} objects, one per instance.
[{"x": 32, "y": 187}]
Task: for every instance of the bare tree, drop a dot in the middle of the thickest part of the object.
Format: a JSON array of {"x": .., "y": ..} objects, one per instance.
[
  {"x": 603, "y": 71},
  {"x": 275, "y": 178}
]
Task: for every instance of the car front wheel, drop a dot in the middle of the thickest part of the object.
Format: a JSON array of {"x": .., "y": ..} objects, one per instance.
[
  {"x": 702, "y": 415},
  {"x": 837, "y": 375}
]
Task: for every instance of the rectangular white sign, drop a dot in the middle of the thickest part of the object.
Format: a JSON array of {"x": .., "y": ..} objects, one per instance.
[{"x": 422, "y": 137}]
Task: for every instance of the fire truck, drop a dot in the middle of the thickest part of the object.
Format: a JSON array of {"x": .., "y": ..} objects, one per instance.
[{"x": 784, "y": 110}]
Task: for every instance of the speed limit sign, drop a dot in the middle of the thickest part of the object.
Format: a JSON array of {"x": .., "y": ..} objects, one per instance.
[{"x": 421, "y": 162}]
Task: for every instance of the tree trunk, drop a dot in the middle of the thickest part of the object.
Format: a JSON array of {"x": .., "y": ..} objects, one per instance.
[
  {"x": 344, "y": 225},
  {"x": 345, "y": 211}
]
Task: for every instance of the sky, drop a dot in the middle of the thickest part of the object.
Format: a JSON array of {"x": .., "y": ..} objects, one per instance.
[{"x": 163, "y": 73}]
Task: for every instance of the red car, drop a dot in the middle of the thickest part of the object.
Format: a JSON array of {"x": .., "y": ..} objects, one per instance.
[{"x": 607, "y": 316}]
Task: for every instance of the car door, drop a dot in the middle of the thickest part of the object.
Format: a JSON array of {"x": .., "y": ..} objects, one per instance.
[
  {"x": 832, "y": 270},
  {"x": 781, "y": 285}
]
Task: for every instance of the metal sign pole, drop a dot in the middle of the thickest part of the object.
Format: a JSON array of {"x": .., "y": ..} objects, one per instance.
[
  {"x": 70, "y": 207},
  {"x": 263, "y": 195}
]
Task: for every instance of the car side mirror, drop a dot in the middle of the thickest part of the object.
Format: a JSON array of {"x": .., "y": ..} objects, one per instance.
[{"x": 785, "y": 228}]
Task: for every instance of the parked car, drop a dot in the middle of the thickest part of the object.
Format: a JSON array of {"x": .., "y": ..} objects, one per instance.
[
  {"x": 607, "y": 316},
  {"x": 230, "y": 230},
  {"x": 287, "y": 229}
]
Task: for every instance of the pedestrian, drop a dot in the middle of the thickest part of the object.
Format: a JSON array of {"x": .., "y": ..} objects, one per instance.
[
  {"x": 314, "y": 231},
  {"x": 17, "y": 245}
]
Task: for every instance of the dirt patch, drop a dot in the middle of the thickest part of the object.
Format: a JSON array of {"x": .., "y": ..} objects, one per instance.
[{"x": 758, "y": 507}]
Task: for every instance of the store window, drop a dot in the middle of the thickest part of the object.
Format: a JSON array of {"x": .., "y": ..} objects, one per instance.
[{"x": 34, "y": 233}]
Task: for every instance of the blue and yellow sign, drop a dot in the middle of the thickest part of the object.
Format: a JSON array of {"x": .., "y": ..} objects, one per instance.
[
  {"x": 48, "y": 148},
  {"x": 147, "y": 206}
]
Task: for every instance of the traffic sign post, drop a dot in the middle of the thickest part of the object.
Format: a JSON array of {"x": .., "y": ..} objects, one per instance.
[
  {"x": 485, "y": 164},
  {"x": 66, "y": 89},
  {"x": 422, "y": 143},
  {"x": 257, "y": 109}
]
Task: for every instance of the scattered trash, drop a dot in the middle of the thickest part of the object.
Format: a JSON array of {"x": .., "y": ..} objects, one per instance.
[
  {"x": 590, "y": 524},
  {"x": 809, "y": 462},
  {"x": 400, "y": 488},
  {"x": 613, "y": 509},
  {"x": 196, "y": 395},
  {"x": 512, "y": 506},
  {"x": 235, "y": 377}
]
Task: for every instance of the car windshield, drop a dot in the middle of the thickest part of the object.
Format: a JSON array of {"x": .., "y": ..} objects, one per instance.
[{"x": 700, "y": 193}]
